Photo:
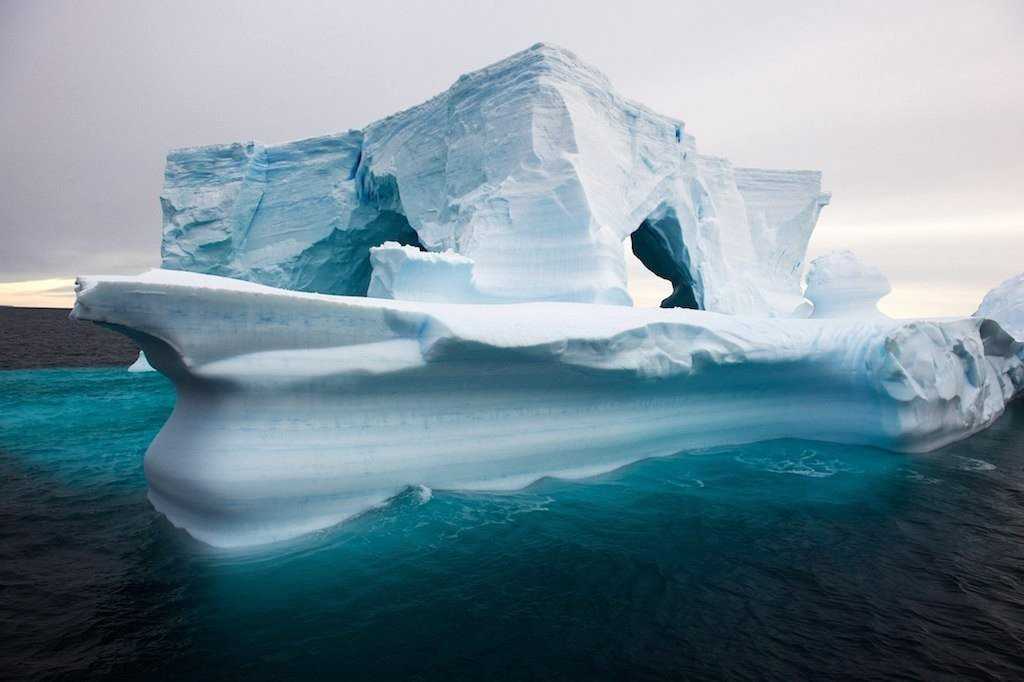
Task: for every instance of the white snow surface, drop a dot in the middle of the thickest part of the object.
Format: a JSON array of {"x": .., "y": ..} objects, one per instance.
[
  {"x": 1005, "y": 305},
  {"x": 840, "y": 284},
  {"x": 407, "y": 273},
  {"x": 534, "y": 167},
  {"x": 298, "y": 410}
]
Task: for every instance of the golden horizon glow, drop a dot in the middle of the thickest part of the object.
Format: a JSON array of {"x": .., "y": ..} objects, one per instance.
[{"x": 55, "y": 292}]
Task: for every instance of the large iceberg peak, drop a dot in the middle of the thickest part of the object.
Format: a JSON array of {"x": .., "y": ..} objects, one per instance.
[
  {"x": 534, "y": 167},
  {"x": 540, "y": 60}
]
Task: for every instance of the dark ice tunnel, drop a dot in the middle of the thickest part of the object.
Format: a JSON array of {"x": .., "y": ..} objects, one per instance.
[{"x": 658, "y": 244}]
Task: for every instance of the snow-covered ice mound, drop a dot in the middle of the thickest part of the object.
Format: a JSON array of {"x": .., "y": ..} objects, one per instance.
[
  {"x": 296, "y": 410},
  {"x": 840, "y": 284},
  {"x": 1005, "y": 305}
]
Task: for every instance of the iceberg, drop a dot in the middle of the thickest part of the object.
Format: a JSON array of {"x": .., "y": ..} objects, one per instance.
[
  {"x": 439, "y": 299},
  {"x": 141, "y": 364}
]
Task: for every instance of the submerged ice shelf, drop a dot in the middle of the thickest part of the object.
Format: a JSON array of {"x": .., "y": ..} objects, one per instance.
[
  {"x": 440, "y": 299},
  {"x": 296, "y": 410}
]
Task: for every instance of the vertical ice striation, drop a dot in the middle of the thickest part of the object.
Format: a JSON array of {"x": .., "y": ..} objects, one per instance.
[
  {"x": 782, "y": 210},
  {"x": 290, "y": 215}
]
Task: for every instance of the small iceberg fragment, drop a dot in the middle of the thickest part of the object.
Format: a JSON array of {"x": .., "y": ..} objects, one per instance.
[{"x": 141, "y": 364}]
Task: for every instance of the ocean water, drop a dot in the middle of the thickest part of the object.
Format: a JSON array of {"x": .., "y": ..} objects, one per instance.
[
  {"x": 31, "y": 338},
  {"x": 780, "y": 560}
]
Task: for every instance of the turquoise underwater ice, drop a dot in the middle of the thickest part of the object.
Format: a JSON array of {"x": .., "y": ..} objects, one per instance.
[{"x": 779, "y": 557}]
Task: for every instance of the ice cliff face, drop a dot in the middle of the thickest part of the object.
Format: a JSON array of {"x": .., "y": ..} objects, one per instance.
[
  {"x": 1005, "y": 305},
  {"x": 290, "y": 215},
  {"x": 840, "y": 284},
  {"x": 533, "y": 168}
]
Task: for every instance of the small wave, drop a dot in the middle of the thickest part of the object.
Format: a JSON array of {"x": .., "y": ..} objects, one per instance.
[
  {"x": 413, "y": 495},
  {"x": 471, "y": 510},
  {"x": 806, "y": 464},
  {"x": 423, "y": 493},
  {"x": 687, "y": 483},
  {"x": 918, "y": 477},
  {"x": 972, "y": 464}
]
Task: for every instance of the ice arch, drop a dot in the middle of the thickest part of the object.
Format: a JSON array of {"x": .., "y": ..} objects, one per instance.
[
  {"x": 658, "y": 244},
  {"x": 317, "y": 268}
]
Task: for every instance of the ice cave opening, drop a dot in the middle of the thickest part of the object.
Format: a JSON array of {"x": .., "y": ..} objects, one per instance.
[
  {"x": 382, "y": 219},
  {"x": 657, "y": 267},
  {"x": 317, "y": 266}
]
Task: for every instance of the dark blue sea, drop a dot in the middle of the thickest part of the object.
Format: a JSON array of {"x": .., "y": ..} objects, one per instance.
[{"x": 781, "y": 560}]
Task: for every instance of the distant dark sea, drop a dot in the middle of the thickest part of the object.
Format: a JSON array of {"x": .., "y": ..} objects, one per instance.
[
  {"x": 45, "y": 337},
  {"x": 785, "y": 560}
]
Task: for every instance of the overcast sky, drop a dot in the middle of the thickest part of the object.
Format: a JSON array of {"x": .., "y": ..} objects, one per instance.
[{"x": 914, "y": 111}]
